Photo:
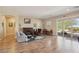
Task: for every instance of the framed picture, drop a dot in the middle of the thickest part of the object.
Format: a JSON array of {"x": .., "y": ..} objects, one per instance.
[
  {"x": 27, "y": 20},
  {"x": 11, "y": 24}
]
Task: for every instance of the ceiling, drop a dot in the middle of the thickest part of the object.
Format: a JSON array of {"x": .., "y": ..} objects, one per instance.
[{"x": 36, "y": 11}]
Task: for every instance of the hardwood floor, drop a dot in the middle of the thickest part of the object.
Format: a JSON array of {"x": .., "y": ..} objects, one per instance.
[
  {"x": 67, "y": 45},
  {"x": 10, "y": 45}
]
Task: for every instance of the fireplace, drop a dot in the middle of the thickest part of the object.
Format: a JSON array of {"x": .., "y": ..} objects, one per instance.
[{"x": 28, "y": 31}]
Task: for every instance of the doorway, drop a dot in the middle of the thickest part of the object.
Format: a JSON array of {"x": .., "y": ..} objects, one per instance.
[{"x": 9, "y": 25}]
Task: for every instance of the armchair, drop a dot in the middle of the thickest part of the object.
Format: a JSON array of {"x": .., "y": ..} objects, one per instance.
[{"x": 21, "y": 37}]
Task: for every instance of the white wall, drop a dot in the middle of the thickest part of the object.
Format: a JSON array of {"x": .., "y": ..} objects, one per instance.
[
  {"x": 33, "y": 21},
  {"x": 1, "y": 27},
  {"x": 54, "y": 26},
  {"x": 50, "y": 24},
  {"x": 16, "y": 23},
  {"x": 47, "y": 24}
]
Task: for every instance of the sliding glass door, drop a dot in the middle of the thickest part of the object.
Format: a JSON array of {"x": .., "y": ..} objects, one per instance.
[{"x": 67, "y": 30}]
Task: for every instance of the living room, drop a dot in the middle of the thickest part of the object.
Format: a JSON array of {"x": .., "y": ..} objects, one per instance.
[
  {"x": 32, "y": 29},
  {"x": 24, "y": 30}
]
